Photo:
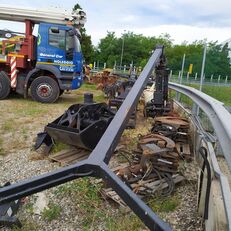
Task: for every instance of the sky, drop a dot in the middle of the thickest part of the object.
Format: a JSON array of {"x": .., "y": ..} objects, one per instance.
[{"x": 184, "y": 20}]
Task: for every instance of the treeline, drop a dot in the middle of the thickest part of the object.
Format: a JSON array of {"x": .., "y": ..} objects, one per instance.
[{"x": 138, "y": 48}]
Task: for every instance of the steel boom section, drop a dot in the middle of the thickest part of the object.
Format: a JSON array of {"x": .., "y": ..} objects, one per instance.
[{"x": 96, "y": 164}]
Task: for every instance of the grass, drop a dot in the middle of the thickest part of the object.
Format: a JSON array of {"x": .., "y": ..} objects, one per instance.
[
  {"x": 1, "y": 148},
  {"x": 221, "y": 93},
  {"x": 127, "y": 222},
  {"x": 164, "y": 204},
  {"x": 29, "y": 208},
  {"x": 88, "y": 86},
  {"x": 85, "y": 195},
  {"x": 124, "y": 222},
  {"x": 8, "y": 125},
  {"x": 59, "y": 147},
  {"x": 53, "y": 212},
  {"x": 27, "y": 225}
]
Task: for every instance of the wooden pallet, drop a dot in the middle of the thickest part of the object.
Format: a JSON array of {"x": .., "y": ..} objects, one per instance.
[
  {"x": 141, "y": 188},
  {"x": 69, "y": 156},
  {"x": 184, "y": 150}
]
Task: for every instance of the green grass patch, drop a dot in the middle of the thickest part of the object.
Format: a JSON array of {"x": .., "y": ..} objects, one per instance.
[
  {"x": 29, "y": 208},
  {"x": 59, "y": 147},
  {"x": 163, "y": 204},
  {"x": 8, "y": 126},
  {"x": 88, "y": 86},
  {"x": 31, "y": 109},
  {"x": 27, "y": 225},
  {"x": 52, "y": 212},
  {"x": 124, "y": 222},
  {"x": 221, "y": 93},
  {"x": 100, "y": 98},
  {"x": 85, "y": 194}
]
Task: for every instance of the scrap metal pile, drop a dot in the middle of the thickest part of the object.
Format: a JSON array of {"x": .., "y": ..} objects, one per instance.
[
  {"x": 115, "y": 87},
  {"x": 155, "y": 161}
]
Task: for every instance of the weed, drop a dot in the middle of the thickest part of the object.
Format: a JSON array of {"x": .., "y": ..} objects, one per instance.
[
  {"x": 24, "y": 132},
  {"x": 85, "y": 194},
  {"x": 124, "y": 222},
  {"x": 29, "y": 208},
  {"x": 51, "y": 213},
  {"x": 88, "y": 86},
  {"x": 164, "y": 204},
  {"x": 8, "y": 126},
  {"x": 59, "y": 147},
  {"x": 99, "y": 98},
  {"x": 26, "y": 226}
]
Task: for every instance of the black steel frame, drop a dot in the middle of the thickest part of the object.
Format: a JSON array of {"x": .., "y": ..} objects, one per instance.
[{"x": 97, "y": 163}]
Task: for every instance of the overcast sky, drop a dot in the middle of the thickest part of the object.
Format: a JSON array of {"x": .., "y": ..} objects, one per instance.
[{"x": 183, "y": 19}]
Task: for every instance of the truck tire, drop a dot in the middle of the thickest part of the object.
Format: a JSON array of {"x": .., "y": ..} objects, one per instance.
[
  {"x": 4, "y": 85},
  {"x": 44, "y": 89}
]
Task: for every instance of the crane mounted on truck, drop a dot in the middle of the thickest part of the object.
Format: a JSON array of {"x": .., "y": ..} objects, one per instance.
[{"x": 44, "y": 65}]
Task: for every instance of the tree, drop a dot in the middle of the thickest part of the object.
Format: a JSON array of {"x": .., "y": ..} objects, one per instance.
[
  {"x": 137, "y": 49},
  {"x": 217, "y": 61}
]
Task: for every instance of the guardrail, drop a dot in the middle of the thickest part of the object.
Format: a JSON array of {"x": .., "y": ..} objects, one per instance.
[{"x": 220, "y": 118}]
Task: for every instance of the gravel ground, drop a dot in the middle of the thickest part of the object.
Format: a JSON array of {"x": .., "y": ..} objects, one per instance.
[{"x": 20, "y": 162}]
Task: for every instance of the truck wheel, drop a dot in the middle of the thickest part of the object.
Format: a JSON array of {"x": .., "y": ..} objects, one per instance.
[
  {"x": 4, "y": 85},
  {"x": 44, "y": 89}
]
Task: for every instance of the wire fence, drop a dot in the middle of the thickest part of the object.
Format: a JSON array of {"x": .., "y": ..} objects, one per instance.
[{"x": 195, "y": 79}]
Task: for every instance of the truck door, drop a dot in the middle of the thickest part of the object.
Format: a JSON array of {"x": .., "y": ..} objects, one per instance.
[{"x": 53, "y": 49}]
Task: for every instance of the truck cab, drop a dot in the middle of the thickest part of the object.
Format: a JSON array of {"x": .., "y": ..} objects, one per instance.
[
  {"x": 59, "y": 47},
  {"x": 47, "y": 64}
]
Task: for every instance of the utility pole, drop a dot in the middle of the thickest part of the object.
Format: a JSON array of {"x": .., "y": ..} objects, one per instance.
[
  {"x": 122, "y": 51},
  {"x": 182, "y": 69},
  {"x": 202, "y": 75},
  {"x": 180, "y": 77},
  {"x": 203, "y": 67}
]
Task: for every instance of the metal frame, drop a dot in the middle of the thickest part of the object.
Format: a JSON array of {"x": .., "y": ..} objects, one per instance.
[{"x": 96, "y": 164}]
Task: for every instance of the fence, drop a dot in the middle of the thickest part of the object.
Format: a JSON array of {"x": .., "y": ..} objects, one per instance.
[{"x": 207, "y": 80}]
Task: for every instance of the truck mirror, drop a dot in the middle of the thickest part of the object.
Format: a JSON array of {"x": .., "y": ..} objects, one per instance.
[
  {"x": 55, "y": 30},
  {"x": 71, "y": 32}
]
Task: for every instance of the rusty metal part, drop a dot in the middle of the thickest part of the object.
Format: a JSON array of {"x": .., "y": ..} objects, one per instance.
[
  {"x": 165, "y": 130},
  {"x": 105, "y": 81},
  {"x": 130, "y": 171},
  {"x": 173, "y": 121},
  {"x": 160, "y": 151},
  {"x": 156, "y": 137},
  {"x": 144, "y": 188}
]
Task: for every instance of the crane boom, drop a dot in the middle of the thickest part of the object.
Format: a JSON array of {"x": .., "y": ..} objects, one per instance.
[{"x": 55, "y": 16}]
